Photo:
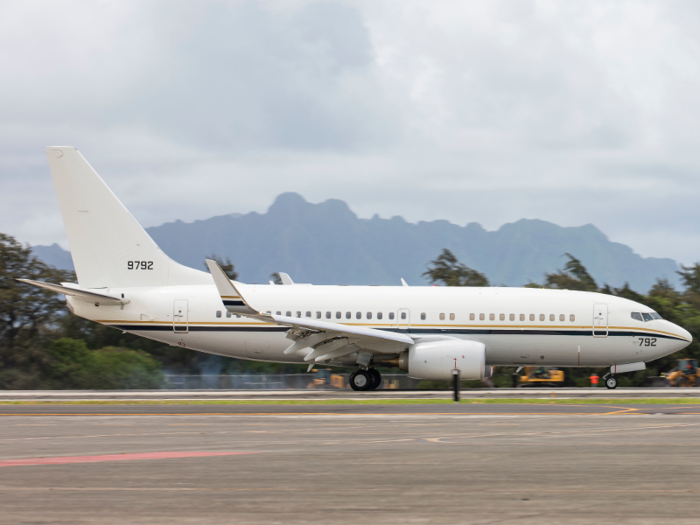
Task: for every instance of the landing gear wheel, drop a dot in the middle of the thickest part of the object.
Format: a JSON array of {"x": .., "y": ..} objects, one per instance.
[
  {"x": 360, "y": 380},
  {"x": 376, "y": 378},
  {"x": 611, "y": 382}
]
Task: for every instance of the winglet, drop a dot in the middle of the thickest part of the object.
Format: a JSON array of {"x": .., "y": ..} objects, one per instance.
[
  {"x": 286, "y": 279},
  {"x": 232, "y": 299}
]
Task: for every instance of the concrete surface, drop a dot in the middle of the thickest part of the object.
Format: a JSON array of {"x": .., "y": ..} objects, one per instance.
[
  {"x": 357, "y": 465},
  {"x": 503, "y": 393}
]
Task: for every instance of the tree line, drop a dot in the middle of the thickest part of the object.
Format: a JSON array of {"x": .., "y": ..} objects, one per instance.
[{"x": 43, "y": 346}]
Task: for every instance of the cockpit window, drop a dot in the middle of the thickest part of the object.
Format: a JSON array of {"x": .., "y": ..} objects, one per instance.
[{"x": 645, "y": 316}]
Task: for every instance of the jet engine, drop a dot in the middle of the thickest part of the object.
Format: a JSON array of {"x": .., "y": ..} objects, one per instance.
[{"x": 435, "y": 360}]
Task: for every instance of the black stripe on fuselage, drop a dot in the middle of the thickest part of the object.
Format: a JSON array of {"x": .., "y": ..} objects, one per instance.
[
  {"x": 417, "y": 331},
  {"x": 233, "y": 303}
]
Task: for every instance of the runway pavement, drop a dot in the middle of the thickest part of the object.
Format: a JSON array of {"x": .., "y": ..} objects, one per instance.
[
  {"x": 439, "y": 463},
  {"x": 457, "y": 409},
  {"x": 472, "y": 393}
]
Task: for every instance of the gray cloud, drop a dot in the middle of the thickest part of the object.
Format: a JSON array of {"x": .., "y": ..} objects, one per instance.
[{"x": 476, "y": 111}]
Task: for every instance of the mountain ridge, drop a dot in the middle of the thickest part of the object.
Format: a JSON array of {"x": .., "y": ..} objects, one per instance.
[{"x": 326, "y": 243}]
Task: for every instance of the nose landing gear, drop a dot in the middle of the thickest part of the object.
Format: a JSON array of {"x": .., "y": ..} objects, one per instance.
[{"x": 369, "y": 379}]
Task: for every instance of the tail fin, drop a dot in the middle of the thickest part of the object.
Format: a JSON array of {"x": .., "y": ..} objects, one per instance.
[{"x": 109, "y": 248}]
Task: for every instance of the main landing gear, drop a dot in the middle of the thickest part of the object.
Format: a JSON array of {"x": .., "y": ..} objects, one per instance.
[
  {"x": 369, "y": 379},
  {"x": 611, "y": 382}
]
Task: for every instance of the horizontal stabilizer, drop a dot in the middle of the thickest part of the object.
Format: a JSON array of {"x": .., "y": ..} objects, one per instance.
[{"x": 84, "y": 295}]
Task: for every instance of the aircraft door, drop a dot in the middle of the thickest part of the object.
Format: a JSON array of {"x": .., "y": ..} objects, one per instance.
[
  {"x": 403, "y": 318},
  {"x": 180, "y": 315},
  {"x": 600, "y": 320}
]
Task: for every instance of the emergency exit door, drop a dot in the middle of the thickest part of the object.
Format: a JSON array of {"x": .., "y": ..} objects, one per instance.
[
  {"x": 180, "y": 315},
  {"x": 600, "y": 320}
]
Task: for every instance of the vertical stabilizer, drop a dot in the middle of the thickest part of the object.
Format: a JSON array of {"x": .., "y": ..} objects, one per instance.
[{"x": 109, "y": 247}]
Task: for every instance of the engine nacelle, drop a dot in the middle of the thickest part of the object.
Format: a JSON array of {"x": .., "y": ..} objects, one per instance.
[{"x": 436, "y": 360}]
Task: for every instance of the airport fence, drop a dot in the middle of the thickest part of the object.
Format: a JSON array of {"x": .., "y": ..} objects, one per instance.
[{"x": 279, "y": 382}]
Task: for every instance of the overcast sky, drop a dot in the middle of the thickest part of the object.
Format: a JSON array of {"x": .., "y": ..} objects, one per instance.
[{"x": 573, "y": 112}]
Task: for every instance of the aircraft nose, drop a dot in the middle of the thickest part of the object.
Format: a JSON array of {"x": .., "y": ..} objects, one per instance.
[{"x": 682, "y": 332}]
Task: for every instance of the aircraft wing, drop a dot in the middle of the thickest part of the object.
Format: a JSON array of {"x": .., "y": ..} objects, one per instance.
[
  {"x": 318, "y": 340},
  {"x": 85, "y": 295}
]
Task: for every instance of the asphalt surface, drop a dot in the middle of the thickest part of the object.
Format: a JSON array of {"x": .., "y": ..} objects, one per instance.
[
  {"x": 308, "y": 464},
  {"x": 348, "y": 409}
]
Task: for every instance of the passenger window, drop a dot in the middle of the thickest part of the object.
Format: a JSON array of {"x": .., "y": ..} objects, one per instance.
[
  {"x": 647, "y": 317},
  {"x": 562, "y": 317},
  {"x": 552, "y": 317},
  {"x": 289, "y": 314},
  {"x": 338, "y": 315},
  {"x": 511, "y": 317},
  {"x": 238, "y": 316},
  {"x": 452, "y": 317},
  {"x": 572, "y": 318},
  {"x": 532, "y": 317},
  {"x": 442, "y": 317},
  {"x": 482, "y": 317},
  {"x": 328, "y": 315},
  {"x": 279, "y": 313},
  {"x": 522, "y": 317},
  {"x": 502, "y": 317},
  {"x": 472, "y": 317},
  {"x": 391, "y": 315},
  {"x": 492, "y": 317},
  {"x": 348, "y": 315},
  {"x": 308, "y": 314},
  {"x": 369, "y": 315},
  {"x": 358, "y": 315},
  {"x": 403, "y": 315},
  {"x": 228, "y": 314},
  {"x": 422, "y": 316},
  {"x": 318, "y": 315},
  {"x": 218, "y": 313},
  {"x": 298, "y": 314},
  {"x": 379, "y": 315},
  {"x": 541, "y": 317}
]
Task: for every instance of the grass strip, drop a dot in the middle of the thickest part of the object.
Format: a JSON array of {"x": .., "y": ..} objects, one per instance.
[{"x": 548, "y": 401}]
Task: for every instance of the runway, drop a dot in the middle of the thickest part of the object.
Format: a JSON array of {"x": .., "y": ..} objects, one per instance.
[
  {"x": 255, "y": 464},
  {"x": 447, "y": 409}
]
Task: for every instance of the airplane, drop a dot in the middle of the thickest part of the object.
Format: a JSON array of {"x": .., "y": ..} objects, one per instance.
[{"x": 125, "y": 281}]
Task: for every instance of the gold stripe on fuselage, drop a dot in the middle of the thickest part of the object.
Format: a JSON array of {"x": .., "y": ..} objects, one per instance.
[{"x": 437, "y": 327}]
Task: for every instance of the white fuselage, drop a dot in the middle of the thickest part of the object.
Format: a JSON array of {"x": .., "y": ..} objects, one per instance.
[{"x": 518, "y": 326}]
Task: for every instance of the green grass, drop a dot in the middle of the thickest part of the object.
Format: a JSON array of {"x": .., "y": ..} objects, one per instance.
[{"x": 628, "y": 401}]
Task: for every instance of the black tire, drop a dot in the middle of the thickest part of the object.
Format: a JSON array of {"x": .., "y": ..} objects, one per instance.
[
  {"x": 376, "y": 378},
  {"x": 360, "y": 380},
  {"x": 611, "y": 383}
]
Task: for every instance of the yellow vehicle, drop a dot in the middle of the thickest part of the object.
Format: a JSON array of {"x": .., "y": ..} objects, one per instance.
[
  {"x": 685, "y": 374},
  {"x": 324, "y": 379},
  {"x": 541, "y": 376}
]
